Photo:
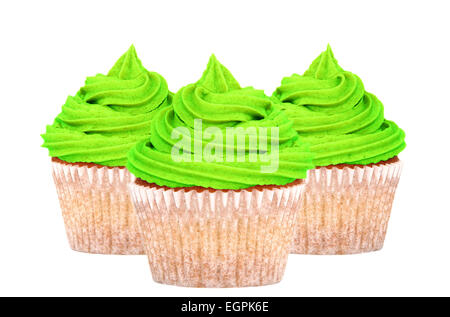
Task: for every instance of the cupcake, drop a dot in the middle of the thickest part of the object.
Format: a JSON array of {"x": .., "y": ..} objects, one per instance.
[
  {"x": 88, "y": 142},
  {"x": 218, "y": 185},
  {"x": 348, "y": 197}
]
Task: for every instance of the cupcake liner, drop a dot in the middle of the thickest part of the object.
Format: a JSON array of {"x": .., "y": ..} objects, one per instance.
[
  {"x": 346, "y": 210},
  {"x": 220, "y": 238},
  {"x": 97, "y": 210}
]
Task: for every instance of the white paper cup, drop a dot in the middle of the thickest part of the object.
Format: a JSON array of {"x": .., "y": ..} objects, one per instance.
[
  {"x": 217, "y": 238},
  {"x": 98, "y": 214},
  {"x": 346, "y": 210}
]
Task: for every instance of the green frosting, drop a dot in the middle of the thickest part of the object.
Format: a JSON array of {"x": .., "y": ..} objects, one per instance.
[
  {"x": 342, "y": 122},
  {"x": 219, "y": 101},
  {"x": 108, "y": 115}
]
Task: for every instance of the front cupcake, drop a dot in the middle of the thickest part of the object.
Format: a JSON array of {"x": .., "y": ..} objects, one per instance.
[
  {"x": 218, "y": 185},
  {"x": 88, "y": 143},
  {"x": 348, "y": 197}
]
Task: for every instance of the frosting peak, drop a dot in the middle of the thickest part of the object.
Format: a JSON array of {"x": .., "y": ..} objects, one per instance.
[
  {"x": 217, "y": 78},
  {"x": 128, "y": 66},
  {"x": 325, "y": 66}
]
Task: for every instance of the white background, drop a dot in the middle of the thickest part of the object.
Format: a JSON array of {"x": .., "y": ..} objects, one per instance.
[{"x": 400, "y": 49}]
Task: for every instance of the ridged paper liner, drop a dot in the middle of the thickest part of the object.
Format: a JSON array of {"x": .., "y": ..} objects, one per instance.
[
  {"x": 346, "y": 210},
  {"x": 230, "y": 238},
  {"x": 97, "y": 210}
]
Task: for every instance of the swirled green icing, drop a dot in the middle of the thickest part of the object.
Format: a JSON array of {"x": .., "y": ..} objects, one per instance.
[
  {"x": 342, "y": 122},
  {"x": 108, "y": 115},
  {"x": 219, "y": 101}
]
